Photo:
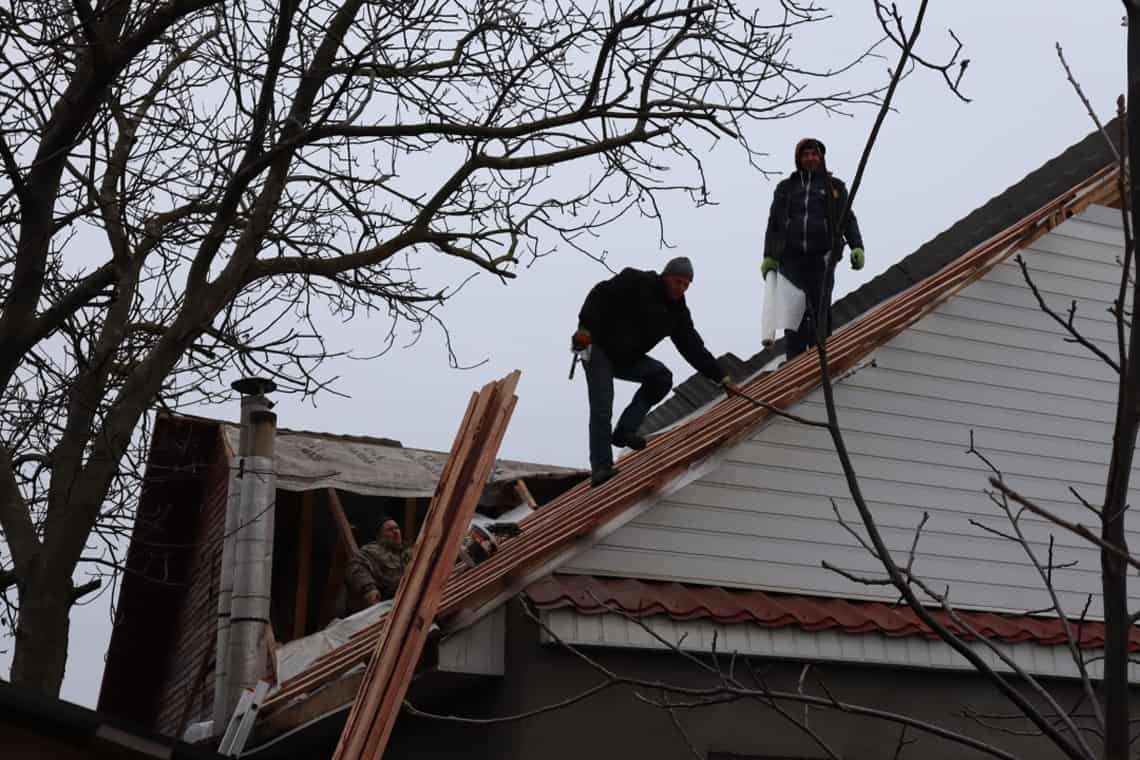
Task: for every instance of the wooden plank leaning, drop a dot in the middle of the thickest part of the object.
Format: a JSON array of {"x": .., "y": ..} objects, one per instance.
[{"x": 405, "y": 628}]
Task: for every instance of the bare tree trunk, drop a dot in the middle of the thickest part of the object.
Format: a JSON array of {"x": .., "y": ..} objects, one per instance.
[
  {"x": 1114, "y": 569},
  {"x": 42, "y": 629},
  {"x": 89, "y": 141}
]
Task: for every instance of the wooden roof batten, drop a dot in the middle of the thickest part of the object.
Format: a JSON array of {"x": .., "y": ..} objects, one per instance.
[{"x": 562, "y": 527}]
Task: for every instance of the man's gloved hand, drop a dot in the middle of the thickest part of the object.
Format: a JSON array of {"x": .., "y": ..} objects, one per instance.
[
  {"x": 856, "y": 259},
  {"x": 581, "y": 339},
  {"x": 768, "y": 265}
]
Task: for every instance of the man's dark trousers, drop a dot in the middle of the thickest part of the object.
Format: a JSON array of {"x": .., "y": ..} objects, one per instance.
[
  {"x": 807, "y": 273},
  {"x": 656, "y": 382}
]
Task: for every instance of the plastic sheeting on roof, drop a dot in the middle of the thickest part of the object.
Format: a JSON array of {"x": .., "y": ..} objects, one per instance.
[
  {"x": 294, "y": 656},
  {"x": 308, "y": 461}
]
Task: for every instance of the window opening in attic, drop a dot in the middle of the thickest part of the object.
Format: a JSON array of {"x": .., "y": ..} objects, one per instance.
[
  {"x": 311, "y": 550},
  {"x": 310, "y": 555}
]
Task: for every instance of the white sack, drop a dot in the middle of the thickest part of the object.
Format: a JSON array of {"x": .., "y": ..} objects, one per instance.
[{"x": 783, "y": 308}]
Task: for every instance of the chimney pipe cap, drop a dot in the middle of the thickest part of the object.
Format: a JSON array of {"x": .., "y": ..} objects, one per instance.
[{"x": 253, "y": 386}]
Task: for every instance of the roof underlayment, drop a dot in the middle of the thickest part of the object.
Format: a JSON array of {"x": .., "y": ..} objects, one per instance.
[{"x": 309, "y": 461}]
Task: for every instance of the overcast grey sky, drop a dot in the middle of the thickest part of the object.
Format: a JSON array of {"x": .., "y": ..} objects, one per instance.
[{"x": 936, "y": 160}]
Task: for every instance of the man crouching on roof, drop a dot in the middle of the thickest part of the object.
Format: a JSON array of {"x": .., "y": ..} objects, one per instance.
[
  {"x": 374, "y": 572},
  {"x": 622, "y": 319}
]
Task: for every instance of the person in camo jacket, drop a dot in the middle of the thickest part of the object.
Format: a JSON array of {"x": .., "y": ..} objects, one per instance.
[{"x": 374, "y": 573}]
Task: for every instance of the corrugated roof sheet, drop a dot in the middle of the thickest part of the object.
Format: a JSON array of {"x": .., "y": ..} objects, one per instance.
[
  {"x": 1036, "y": 189},
  {"x": 593, "y": 595},
  {"x": 571, "y": 522}
]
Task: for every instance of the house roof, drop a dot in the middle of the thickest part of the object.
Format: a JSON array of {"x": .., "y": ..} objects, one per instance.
[
  {"x": 573, "y": 522},
  {"x": 79, "y": 727},
  {"x": 1004, "y": 210},
  {"x": 592, "y": 595}
]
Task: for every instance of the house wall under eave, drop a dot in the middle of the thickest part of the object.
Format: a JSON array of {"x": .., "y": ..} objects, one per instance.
[
  {"x": 616, "y": 725},
  {"x": 989, "y": 361}
]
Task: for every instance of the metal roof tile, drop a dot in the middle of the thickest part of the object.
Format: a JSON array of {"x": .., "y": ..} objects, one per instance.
[{"x": 592, "y": 595}]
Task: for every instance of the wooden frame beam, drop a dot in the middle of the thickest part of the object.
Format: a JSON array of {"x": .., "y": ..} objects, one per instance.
[
  {"x": 411, "y": 530},
  {"x": 524, "y": 494},
  {"x": 340, "y": 519},
  {"x": 304, "y": 565}
]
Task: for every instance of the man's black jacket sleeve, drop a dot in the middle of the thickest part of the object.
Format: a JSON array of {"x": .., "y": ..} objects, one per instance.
[
  {"x": 689, "y": 343},
  {"x": 777, "y": 223},
  {"x": 850, "y": 225}
]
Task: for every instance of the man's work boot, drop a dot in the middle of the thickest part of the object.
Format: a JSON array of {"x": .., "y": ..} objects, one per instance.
[
  {"x": 631, "y": 440},
  {"x": 601, "y": 475}
]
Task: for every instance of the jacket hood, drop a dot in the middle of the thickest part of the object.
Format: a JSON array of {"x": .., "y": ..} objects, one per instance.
[{"x": 810, "y": 142}]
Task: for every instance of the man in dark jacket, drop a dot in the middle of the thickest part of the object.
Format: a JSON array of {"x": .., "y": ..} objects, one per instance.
[
  {"x": 798, "y": 239},
  {"x": 621, "y": 320}
]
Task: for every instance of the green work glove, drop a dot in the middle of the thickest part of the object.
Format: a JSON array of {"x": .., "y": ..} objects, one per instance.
[
  {"x": 769, "y": 264},
  {"x": 856, "y": 259}
]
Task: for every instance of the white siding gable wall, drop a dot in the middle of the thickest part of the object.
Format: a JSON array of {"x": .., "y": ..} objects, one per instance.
[{"x": 989, "y": 361}]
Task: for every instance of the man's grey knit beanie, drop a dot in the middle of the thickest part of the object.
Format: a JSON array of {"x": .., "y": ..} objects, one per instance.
[{"x": 680, "y": 266}]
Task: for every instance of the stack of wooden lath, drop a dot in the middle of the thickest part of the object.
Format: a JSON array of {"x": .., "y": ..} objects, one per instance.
[{"x": 405, "y": 628}]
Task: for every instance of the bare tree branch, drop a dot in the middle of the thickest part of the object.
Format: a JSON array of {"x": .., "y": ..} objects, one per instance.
[
  {"x": 1065, "y": 323},
  {"x": 1088, "y": 106}
]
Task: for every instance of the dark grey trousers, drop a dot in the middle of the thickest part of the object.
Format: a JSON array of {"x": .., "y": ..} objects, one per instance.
[
  {"x": 807, "y": 273},
  {"x": 656, "y": 382}
]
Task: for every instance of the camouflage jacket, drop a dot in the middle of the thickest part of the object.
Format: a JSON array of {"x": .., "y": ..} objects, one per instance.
[{"x": 377, "y": 566}]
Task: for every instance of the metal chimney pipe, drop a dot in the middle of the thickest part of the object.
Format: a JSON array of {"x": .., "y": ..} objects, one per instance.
[
  {"x": 253, "y": 401},
  {"x": 253, "y": 560}
]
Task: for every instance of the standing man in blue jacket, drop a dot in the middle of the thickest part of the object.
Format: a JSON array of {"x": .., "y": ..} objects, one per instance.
[
  {"x": 622, "y": 319},
  {"x": 798, "y": 240}
]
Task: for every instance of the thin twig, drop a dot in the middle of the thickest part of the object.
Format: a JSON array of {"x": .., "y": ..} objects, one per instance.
[
  {"x": 1088, "y": 106},
  {"x": 1075, "y": 528},
  {"x": 1067, "y": 324}
]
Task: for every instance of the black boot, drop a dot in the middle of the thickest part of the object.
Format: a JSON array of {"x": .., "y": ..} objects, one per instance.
[
  {"x": 601, "y": 475},
  {"x": 631, "y": 440}
]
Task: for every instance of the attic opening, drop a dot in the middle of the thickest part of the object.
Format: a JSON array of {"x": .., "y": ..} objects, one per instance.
[{"x": 316, "y": 532}]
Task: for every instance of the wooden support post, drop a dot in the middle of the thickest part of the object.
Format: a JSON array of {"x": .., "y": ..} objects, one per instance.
[
  {"x": 411, "y": 530},
  {"x": 340, "y": 519},
  {"x": 524, "y": 494},
  {"x": 270, "y": 655},
  {"x": 304, "y": 565},
  {"x": 338, "y": 563}
]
